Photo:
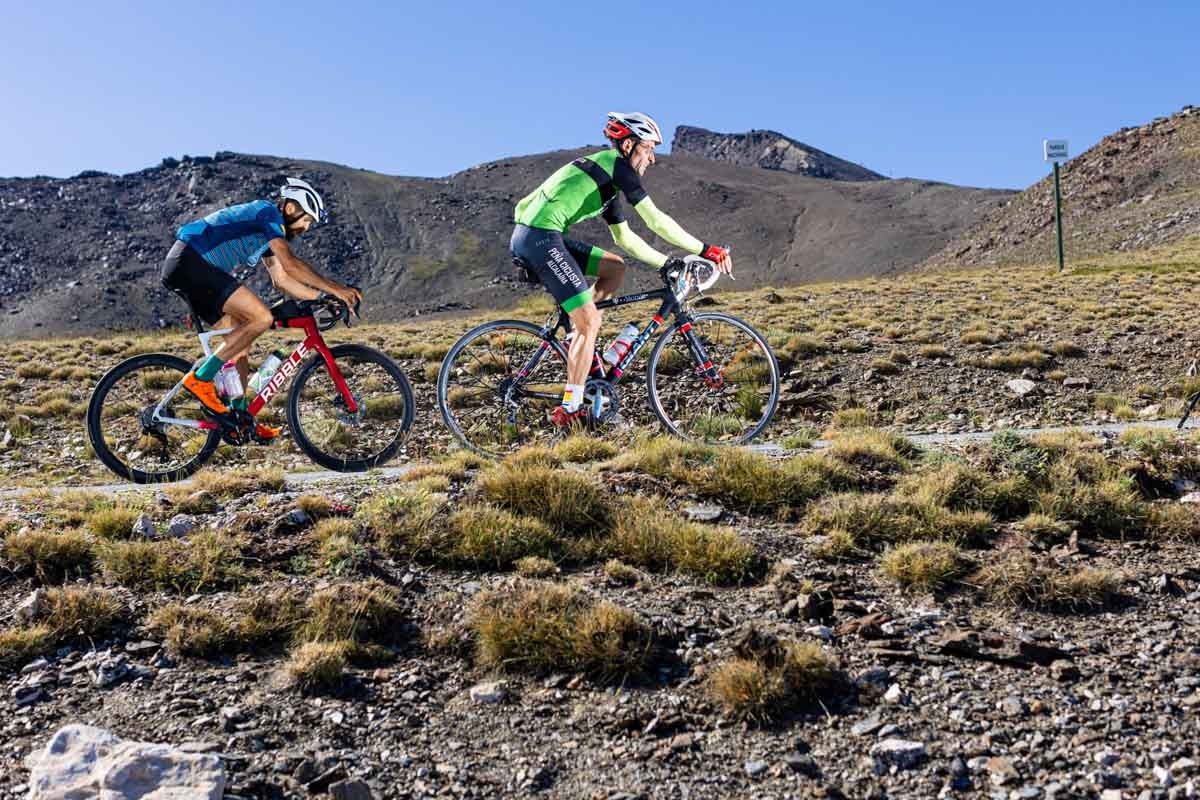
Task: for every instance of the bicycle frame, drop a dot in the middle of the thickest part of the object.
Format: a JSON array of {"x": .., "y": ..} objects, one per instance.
[
  {"x": 313, "y": 341},
  {"x": 670, "y": 306}
]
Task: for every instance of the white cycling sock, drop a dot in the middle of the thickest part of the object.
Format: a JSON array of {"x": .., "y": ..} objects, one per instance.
[{"x": 572, "y": 397}]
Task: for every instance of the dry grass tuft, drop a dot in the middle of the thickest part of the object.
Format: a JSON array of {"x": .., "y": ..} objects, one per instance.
[
  {"x": 751, "y": 483},
  {"x": 581, "y": 448},
  {"x": 113, "y": 523},
  {"x": 645, "y": 536},
  {"x": 923, "y": 566},
  {"x": 544, "y": 627},
  {"x": 875, "y": 450},
  {"x": 409, "y": 524},
  {"x": 569, "y": 502},
  {"x": 496, "y": 539},
  {"x": 621, "y": 573},
  {"x": 1176, "y": 522},
  {"x": 318, "y": 667},
  {"x": 200, "y": 497},
  {"x": 191, "y": 630},
  {"x": 80, "y": 611},
  {"x": 860, "y": 522},
  {"x": 765, "y": 686},
  {"x": 206, "y": 561},
  {"x": 363, "y": 613},
  {"x": 1019, "y": 579},
  {"x": 535, "y": 567},
  {"x": 18, "y": 646},
  {"x": 51, "y": 557}
]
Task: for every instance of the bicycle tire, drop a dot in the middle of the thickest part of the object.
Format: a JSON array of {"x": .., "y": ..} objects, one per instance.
[
  {"x": 745, "y": 327},
  {"x": 94, "y": 422},
  {"x": 466, "y": 339},
  {"x": 333, "y": 462}
]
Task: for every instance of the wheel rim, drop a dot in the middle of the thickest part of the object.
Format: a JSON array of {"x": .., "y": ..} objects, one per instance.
[
  {"x": 324, "y": 420},
  {"x": 488, "y": 405},
  {"x": 735, "y": 409},
  {"x": 126, "y": 427}
]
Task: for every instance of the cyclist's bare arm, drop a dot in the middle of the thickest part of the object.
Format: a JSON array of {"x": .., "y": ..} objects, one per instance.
[
  {"x": 285, "y": 283},
  {"x": 300, "y": 270}
]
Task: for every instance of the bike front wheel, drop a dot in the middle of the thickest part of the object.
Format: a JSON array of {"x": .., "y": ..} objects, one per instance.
[
  {"x": 126, "y": 437},
  {"x": 713, "y": 379},
  {"x": 351, "y": 441},
  {"x": 498, "y": 385}
]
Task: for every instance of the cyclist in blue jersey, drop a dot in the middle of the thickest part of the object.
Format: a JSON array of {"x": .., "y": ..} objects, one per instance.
[{"x": 199, "y": 267}]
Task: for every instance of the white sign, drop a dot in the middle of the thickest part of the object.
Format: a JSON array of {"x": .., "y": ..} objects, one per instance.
[{"x": 1054, "y": 150}]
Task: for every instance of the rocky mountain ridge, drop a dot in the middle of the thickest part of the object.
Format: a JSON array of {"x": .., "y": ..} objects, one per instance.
[
  {"x": 82, "y": 254},
  {"x": 769, "y": 150}
]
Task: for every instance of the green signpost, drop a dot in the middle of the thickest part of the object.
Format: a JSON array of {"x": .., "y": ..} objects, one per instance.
[{"x": 1056, "y": 150}]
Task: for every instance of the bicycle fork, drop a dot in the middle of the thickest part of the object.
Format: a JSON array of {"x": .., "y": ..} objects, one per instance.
[{"x": 704, "y": 366}]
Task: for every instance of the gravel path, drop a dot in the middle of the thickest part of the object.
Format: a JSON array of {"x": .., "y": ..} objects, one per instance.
[{"x": 307, "y": 478}]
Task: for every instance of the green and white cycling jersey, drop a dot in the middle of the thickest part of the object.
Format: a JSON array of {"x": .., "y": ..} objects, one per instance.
[{"x": 590, "y": 186}]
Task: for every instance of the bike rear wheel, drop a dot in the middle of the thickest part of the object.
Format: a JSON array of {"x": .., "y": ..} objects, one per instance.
[
  {"x": 125, "y": 438},
  {"x": 732, "y": 410},
  {"x": 328, "y": 432},
  {"x": 498, "y": 385}
]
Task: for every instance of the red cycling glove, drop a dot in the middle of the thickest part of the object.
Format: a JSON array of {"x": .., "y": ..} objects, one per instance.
[{"x": 714, "y": 253}]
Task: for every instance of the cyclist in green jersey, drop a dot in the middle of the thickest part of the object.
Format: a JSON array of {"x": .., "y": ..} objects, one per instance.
[{"x": 585, "y": 188}]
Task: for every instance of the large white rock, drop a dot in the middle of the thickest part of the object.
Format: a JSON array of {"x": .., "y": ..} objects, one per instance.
[{"x": 84, "y": 762}]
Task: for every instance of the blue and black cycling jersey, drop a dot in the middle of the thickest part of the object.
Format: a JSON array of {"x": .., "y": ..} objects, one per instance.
[{"x": 235, "y": 236}]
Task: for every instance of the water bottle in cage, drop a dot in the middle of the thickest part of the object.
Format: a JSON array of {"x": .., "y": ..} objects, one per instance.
[
  {"x": 265, "y": 371},
  {"x": 228, "y": 382},
  {"x": 620, "y": 346}
]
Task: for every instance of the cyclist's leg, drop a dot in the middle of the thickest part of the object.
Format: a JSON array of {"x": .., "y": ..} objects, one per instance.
[
  {"x": 241, "y": 360},
  {"x": 547, "y": 254},
  {"x": 217, "y": 298},
  {"x": 250, "y": 318},
  {"x": 607, "y": 268}
]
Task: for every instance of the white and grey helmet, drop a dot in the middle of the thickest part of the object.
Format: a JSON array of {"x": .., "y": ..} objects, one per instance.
[
  {"x": 622, "y": 124},
  {"x": 306, "y": 197}
]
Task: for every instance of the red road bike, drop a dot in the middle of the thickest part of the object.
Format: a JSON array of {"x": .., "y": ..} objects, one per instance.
[{"x": 349, "y": 409}]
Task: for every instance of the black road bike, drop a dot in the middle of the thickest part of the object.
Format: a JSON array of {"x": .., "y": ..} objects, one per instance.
[{"x": 710, "y": 378}]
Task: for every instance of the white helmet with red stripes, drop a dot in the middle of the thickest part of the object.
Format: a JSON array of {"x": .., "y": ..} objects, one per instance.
[{"x": 624, "y": 124}]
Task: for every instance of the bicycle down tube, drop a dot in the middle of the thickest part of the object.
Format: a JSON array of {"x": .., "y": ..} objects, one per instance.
[{"x": 670, "y": 306}]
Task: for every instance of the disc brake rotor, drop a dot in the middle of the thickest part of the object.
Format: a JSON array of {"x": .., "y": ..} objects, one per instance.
[{"x": 343, "y": 414}]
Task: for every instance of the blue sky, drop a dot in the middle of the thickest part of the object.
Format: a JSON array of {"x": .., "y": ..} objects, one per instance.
[{"x": 961, "y": 92}]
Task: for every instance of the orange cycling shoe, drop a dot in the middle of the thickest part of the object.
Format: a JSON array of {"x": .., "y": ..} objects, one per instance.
[
  {"x": 205, "y": 392},
  {"x": 264, "y": 431}
]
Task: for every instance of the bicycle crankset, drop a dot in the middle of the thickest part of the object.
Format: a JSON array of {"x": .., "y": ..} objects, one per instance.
[
  {"x": 602, "y": 397},
  {"x": 237, "y": 427}
]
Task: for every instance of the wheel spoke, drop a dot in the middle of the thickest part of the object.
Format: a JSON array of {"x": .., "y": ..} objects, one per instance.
[
  {"x": 496, "y": 418},
  {"x": 738, "y": 407},
  {"x": 345, "y": 438},
  {"x": 124, "y": 401}
]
